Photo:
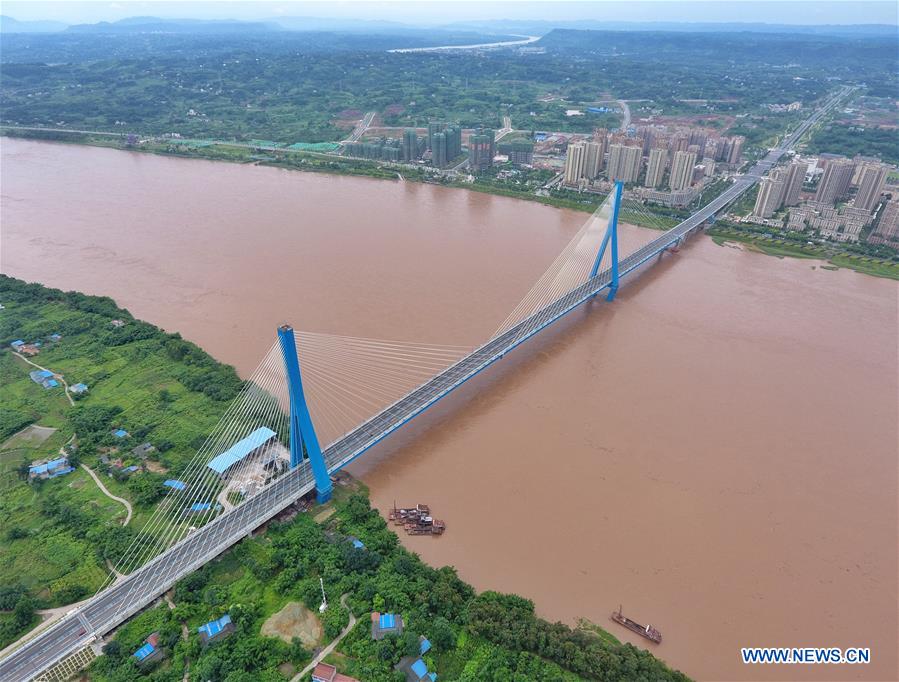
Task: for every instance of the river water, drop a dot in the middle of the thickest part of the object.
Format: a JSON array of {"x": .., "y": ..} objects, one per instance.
[{"x": 716, "y": 450}]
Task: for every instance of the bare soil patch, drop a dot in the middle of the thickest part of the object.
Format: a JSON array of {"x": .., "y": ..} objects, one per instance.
[{"x": 294, "y": 620}]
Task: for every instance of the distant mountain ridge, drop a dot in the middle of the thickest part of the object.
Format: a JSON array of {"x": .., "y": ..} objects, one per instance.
[
  {"x": 10, "y": 25},
  {"x": 158, "y": 25},
  {"x": 149, "y": 24}
]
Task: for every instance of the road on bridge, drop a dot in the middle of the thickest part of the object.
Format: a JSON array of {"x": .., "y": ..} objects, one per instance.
[{"x": 129, "y": 595}]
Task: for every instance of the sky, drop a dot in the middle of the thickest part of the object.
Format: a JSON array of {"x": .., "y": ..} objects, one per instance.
[{"x": 440, "y": 12}]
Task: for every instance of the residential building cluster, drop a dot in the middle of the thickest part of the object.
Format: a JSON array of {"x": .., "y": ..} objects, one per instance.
[
  {"x": 665, "y": 166},
  {"x": 441, "y": 146},
  {"x": 847, "y": 198}
]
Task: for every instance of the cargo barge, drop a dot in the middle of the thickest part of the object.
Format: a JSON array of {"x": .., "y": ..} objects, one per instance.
[
  {"x": 416, "y": 520},
  {"x": 647, "y": 631}
]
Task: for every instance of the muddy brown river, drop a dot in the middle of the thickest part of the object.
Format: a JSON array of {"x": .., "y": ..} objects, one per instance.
[{"x": 716, "y": 450}]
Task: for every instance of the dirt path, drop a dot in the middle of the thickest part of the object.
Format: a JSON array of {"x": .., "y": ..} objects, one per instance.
[
  {"x": 328, "y": 649},
  {"x": 55, "y": 376},
  {"x": 109, "y": 494}
]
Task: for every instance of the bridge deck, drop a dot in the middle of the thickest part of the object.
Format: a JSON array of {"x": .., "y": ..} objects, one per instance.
[{"x": 129, "y": 595}]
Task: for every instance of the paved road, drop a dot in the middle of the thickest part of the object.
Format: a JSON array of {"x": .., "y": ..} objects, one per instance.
[
  {"x": 359, "y": 130},
  {"x": 625, "y": 114},
  {"x": 129, "y": 595},
  {"x": 65, "y": 386},
  {"x": 109, "y": 494},
  {"x": 328, "y": 649}
]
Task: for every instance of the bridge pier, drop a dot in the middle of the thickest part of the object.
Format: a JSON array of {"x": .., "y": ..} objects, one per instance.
[{"x": 303, "y": 440}]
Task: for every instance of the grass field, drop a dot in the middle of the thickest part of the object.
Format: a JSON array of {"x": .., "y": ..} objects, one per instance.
[{"x": 58, "y": 533}]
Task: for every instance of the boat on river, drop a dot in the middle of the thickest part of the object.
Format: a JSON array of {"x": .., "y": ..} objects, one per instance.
[{"x": 647, "y": 631}]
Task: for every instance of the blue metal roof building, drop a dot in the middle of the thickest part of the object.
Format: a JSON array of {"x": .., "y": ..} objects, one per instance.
[
  {"x": 383, "y": 624},
  {"x": 51, "y": 469},
  {"x": 120, "y": 433},
  {"x": 198, "y": 507},
  {"x": 174, "y": 484},
  {"x": 216, "y": 628},
  {"x": 241, "y": 449},
  {"x": 144, "y": 651}
]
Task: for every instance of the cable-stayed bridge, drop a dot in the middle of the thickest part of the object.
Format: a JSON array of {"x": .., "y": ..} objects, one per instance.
[{"x": 317, "y": 401}]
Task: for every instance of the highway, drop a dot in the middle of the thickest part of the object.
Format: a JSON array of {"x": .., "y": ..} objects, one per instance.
[{"x": 131, "y": 594}]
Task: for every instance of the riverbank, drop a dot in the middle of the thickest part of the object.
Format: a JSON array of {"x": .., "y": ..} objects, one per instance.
[
  {"x": 348, "y": 550},
  {"x": 60, "y": 533},
  {"x": 316, "y": 162},
  {"x": 666, "y": 479},
  {"x": 283, "y": 562},
  {"x": 833, "y": 257}
]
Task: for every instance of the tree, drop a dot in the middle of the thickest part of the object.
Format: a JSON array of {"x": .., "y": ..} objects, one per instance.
[
  {"x": 23, "y": 613},
  {"x": 441, "y": 634}
]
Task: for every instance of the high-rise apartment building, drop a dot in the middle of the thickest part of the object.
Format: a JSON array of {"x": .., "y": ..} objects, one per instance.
[
  {"x": 699, "y": 138},
  {"x": 481, "y": 149},
  {"x": 521, "y": 153},
  {"x": 736, "y": 149},
  {"x": 886, "y": 231},
  {"x": 574, "y": 163},
  {"x": 438, "y": 148},
  {"x": 434, "y": 127},
  {"x": 655, "y": 168},
  {"x": 793, "y": 184},
  {"x": 870, "y": 186},
  {"x": 682, "y": 170},
  {"x": 624, "y": 163},
  {"x": 593, "y": 153},
  {"x": 834, "y": 184},
  {"x": 410, "y": 144},
  {"x": 771, "y": 194}
]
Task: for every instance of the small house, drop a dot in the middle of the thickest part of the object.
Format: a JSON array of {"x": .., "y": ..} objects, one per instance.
[
  {"x": 120, "y": 433},
  {"x": 44, "y": 377},
  {"x": 130, "y": 469},
  {"x": 17, "y": 344},
  {"x": 78, "y": 388},
  {"x": 117, "y": 323},
  {"x": 49, "y": 469},
  {"x": 149, "y": 652},
  {"x": 385, "y": 624},
  {"x": 143, "y": 450},
  {"x": 416, "y": 670},
  {"x": 324, "y": 672},
  {"x": 216, "y": 629},
  {"x": 55, "y": 337},
  {"x": 174, "y": 485}
]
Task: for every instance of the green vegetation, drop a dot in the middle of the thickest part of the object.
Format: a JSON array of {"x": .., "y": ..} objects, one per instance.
[
  {"x": 795, "y": 245},
  {"x": 475, "y": 638},
  {"x": 307, "y": 87},
  {"x": 158, "y": 387},
  {"x": 837, "y": 138}
]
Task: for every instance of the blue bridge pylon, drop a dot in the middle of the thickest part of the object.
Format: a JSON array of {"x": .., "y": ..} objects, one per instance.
[
  {"x": 303, "y": 440},
  {"x": 611, "y": 233}
]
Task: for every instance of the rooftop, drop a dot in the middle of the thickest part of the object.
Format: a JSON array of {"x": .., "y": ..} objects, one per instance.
[
  {"x": 215, "y": 627},
  {"x": 241, "y": 449}
]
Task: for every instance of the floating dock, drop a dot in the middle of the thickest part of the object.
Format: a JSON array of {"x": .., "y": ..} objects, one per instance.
[{"x": 416, "y": 520}]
